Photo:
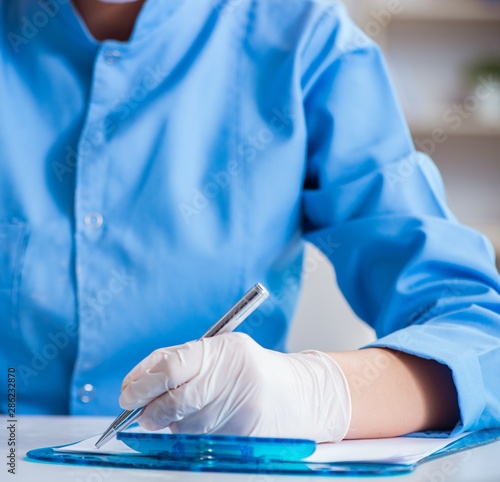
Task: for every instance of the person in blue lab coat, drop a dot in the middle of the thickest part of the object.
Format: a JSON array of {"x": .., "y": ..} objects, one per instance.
[{"x": 159, "y": 157}]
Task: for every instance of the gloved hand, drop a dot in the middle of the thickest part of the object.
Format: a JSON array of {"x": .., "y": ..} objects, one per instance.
[{"x": 229, "y": 384}]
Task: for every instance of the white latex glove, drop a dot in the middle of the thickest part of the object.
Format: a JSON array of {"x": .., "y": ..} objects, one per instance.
[{"x": 229, "y": 384}]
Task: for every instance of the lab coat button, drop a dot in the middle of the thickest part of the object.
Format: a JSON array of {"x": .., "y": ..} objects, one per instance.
[
  {"x": 112, "y": 56},
  {"x": 86, "y": 393},
  {"x": 94, "y": 220}
]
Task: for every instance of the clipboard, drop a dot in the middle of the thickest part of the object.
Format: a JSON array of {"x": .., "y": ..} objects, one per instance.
[{"x": 246, "y": 455}]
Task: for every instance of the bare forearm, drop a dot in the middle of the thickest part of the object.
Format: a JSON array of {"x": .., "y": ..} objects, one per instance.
[{"x": 394, "y": 393}]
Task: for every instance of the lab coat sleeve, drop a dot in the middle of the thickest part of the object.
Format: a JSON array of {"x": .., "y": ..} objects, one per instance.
[{"x": 427, "y": 284}]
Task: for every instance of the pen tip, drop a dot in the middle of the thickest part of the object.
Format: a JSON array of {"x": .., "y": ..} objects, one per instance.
[{"x": 104, "y": 438}]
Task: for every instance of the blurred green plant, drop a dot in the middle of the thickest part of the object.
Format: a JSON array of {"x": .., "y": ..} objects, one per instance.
[{"x": 485, "y": 69}]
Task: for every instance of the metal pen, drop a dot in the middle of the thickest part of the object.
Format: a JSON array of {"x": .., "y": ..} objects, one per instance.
[{"x": 239, "y": 312}]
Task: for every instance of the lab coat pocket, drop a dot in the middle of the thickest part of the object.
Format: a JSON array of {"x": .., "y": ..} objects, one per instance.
[{"x": 13, "y": 240}]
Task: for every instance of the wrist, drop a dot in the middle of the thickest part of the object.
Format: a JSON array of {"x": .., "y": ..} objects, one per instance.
[{"x": 330, "y": 397}]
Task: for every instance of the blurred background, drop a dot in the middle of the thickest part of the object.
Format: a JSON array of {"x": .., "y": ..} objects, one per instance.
[{"x": 439, "y": 52}]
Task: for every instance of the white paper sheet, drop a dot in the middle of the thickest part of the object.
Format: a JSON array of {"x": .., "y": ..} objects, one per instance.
[
  {"x": 398, "y": 450},
  {"x": 87, "y": 446},
  {"x": 114, "y": 446}
]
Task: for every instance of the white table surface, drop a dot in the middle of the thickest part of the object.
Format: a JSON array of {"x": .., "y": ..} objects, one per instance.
[{"x": 478, "y": 465}]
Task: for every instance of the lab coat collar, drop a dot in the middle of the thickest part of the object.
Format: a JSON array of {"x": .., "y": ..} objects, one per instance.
[{"x": 153, "y": 15}]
